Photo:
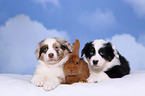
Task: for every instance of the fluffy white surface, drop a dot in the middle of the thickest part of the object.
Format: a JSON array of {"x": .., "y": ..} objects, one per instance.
[{"x": 19, "y": 85}]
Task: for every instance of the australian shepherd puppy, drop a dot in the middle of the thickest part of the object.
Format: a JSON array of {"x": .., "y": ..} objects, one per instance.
[
  {"x": 104, "y": 61},
  {"x": 52, "y": 54}
]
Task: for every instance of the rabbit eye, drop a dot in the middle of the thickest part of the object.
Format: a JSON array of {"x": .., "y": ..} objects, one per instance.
[{"x": 76, "y": 63}]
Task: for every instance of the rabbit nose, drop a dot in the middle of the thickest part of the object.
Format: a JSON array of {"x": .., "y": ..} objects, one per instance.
[
  {"x": 50, "y": 55},
  {"x": 95, "y": 62},
  {"x": 71, "y": 71}
]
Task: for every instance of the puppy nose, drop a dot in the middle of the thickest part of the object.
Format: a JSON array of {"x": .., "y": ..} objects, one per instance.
[
  {"x": 50, "y": 55},
  {"x": 95, "y": 62}
]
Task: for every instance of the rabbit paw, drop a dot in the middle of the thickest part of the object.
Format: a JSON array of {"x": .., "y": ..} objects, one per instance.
[
  {"x": 83, "y": 80},
  {"x": 63, "y": 83}
]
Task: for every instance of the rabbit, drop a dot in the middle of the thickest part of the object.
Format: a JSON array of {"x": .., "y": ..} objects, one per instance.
[{"x": 75, "y": 69}]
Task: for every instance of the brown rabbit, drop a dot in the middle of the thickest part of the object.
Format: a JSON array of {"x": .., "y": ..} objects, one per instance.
[{"x": 75, "y": 69}]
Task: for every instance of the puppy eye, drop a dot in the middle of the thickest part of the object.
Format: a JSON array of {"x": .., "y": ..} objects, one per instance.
[
  {"x": 91, "y": 52},
  {"x": 102, "y": 53},
  {"x": 56, "y": 47},
  {"x": 77, "y": 63},
  {"x": 44, "y": 48}
]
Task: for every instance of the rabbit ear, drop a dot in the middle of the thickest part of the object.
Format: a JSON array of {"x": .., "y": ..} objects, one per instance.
[
  {"x": 65, "y": 44},
  {"x": 76, "y": 45},
  {"x": 73, "y": 44}
]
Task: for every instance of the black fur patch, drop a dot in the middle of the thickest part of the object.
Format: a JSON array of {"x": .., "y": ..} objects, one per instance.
[
  {"x": 119, "y": 71},
  {"x": 107, "y": 52},
  {"x": 63, "y": 47},
  {"x": 43, "y": 49},
  {"x": 88, "y": 50}
]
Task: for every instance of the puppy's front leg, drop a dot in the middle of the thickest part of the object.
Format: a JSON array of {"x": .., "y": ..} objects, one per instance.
[
  {"x": 51, "y": 83},
  {"x": 37, "y": 80},
  {"x": 97, "y": 77}
]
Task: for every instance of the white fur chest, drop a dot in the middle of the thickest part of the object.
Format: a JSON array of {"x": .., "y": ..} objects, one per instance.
[{"x": 50, "y": 71}]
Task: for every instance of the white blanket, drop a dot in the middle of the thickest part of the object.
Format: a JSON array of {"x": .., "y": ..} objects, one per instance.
[{"x": 130, "y": 85}]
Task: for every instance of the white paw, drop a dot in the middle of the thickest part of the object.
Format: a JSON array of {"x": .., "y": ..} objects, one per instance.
[
  {"x": 92, "y": 80},
  {"x": 97, "y": 77},
  {"x": 37, "y": 81},
  {"x": 39, "y": 84},
  {"x": 51, "y": 84}
]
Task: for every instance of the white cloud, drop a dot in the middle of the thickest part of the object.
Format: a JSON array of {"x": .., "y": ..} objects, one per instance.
[
  {"x": 98, "y": 19},
  {"x": 18, "y": 40},
  {"x": 131, "y": 49},
  {"x": 142, "y": 39},
  {"x": 44, "y": 2},
  {"x": 138, "y": 6}
]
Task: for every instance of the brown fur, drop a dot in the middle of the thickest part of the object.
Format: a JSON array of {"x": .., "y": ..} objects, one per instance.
[{"x": 75, "y": 69}]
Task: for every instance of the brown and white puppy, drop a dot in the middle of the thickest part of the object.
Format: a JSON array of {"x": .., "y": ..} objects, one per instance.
[{"x": 52, "y": 54}]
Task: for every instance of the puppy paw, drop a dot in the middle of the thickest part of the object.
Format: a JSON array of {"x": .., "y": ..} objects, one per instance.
[
  {"x": 37, "y": 81},
  {"x": 51, "y": 84},
  {"x": 91, "y": 80},
  {"x": 98, "y": 77},
  {"x": 39, "y": 84}
]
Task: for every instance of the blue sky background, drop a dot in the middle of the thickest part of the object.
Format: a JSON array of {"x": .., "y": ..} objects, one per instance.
[{"x": 23, "y": 23}]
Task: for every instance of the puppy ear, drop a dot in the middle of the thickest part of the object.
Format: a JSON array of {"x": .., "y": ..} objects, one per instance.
[
  {"x": 115, "y": 50},
  {"x": 65, "y": 44},
  {"x": 37, "y": 51},
  {"x": 84, "y": 50}
]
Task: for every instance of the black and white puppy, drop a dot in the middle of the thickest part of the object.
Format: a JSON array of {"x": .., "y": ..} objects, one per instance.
[
  {"x": 52, "y": 54},
  {"x": 104, "y": 61}
]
